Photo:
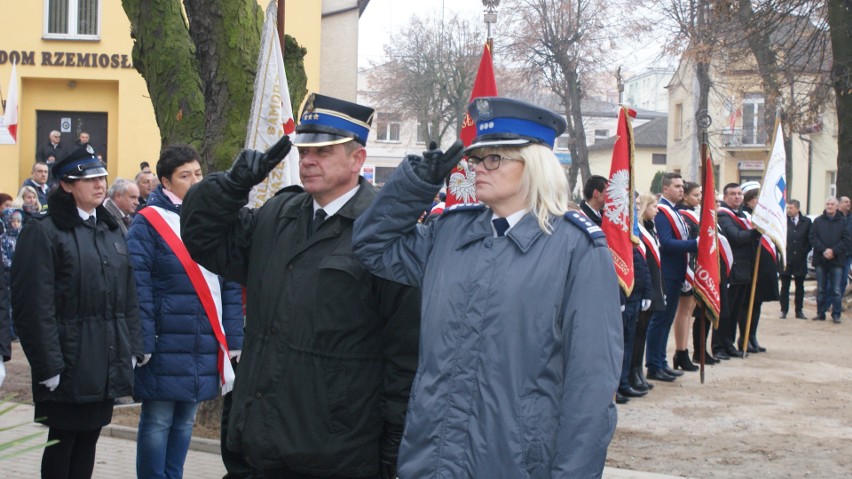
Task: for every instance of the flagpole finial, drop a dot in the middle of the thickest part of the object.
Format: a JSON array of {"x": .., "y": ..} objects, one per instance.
[{"x": 490, "y": 17}]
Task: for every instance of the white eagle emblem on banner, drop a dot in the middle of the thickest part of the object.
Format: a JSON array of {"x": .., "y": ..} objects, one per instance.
[{"x": 617, "y": 208}]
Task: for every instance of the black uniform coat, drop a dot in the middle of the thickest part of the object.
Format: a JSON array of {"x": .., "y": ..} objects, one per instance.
[
  {"x": 330, "y": 350},
  {"x": 74, "y": 306},
  {"x": 743, "y": 245},
  {"x": 5, "y": 328},
  {"x": 798, "y": 246}
]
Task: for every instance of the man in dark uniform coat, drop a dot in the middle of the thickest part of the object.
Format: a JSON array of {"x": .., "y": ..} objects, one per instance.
[
  {"x": 734, "y": 224},
  {"x": 330, "y": 349},
  {"x": 798, "y": 246},
  {"x": 594, "y": 192}
]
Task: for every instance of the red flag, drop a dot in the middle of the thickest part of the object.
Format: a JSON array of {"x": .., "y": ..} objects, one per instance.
[
  {"x": 618, "y": 208},
  {"x": 461, "y": 187},
  {"x": 706, "y": 282}
]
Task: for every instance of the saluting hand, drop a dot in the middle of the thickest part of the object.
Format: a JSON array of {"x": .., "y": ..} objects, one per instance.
[
  {"x": 435, "y": 164},
  {"x": 251, "y": 166}
]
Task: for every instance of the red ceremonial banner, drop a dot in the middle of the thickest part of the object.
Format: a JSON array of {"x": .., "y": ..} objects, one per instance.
[
  {"x": 461, "y": 187},
  {"x": 706, "y": 282},
  {"x": 618, "y": 208}
]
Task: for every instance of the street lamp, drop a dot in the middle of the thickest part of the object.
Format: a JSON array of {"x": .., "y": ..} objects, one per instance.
[{"x": 490, "y": 17}]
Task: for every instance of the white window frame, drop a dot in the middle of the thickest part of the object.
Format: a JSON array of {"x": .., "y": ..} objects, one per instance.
[
  {"x": 387, "y": 130},
  {"x": 73, "y": 7},
  {"x": 832, "y": 183},
  {"x": 421, "y": 141},
  {"x": 566, "y": 146}
]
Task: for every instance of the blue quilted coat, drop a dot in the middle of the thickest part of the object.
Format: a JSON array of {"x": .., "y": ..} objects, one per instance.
[{"x": 175, "y": 328}]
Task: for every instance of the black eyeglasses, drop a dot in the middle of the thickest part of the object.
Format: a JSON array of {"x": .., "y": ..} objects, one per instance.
[{"x": 490, "y": 162}]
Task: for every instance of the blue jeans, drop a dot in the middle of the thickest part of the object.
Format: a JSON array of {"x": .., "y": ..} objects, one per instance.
[
  {"x": 659, "y": 327},
  {"x": 828, "y": 289},
  {"x": 165, "y": 429},
  {"x": 844, "y": 278}
]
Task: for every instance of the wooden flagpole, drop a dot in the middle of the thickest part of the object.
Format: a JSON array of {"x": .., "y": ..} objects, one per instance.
[
  {"x": 281, "y": 25},
  {"x": 744, "y": 335}
]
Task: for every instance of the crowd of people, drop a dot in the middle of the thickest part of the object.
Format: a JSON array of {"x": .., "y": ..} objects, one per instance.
[{"x": 353, "y": 335}]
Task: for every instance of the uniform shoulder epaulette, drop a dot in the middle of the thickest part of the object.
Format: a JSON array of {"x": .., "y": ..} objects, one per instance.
[
  {"x": 463, "y": 207},
  {"x": 580, "y": 220}
]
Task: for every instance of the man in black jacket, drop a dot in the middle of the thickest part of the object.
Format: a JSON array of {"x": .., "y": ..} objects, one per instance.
[
  {"x": 830, "y": 239},
  {"x": 330, "y": 350},
  {"x": 594, "y": 194},
  {"x": 798, "y": 246},
  {"x": 736, "y": 227}
]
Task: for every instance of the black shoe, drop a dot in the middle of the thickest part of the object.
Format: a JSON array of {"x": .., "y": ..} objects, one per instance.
[
  {"x": 820, "y": 317},
  {"x": 733, "y": 352},
  {"x": 753, "y": 344},
  {"x": 836, "y": 320},
  {"x": 631, "y": 393},
  {"x": 619, "y": 399},
  {"x": 721, "y": 354},
  {"x": 800, "y": 315},
  {"x": 783, "y": 315},
  {"x": 708, "y": 360},
  {"x": 641, "y": 373},
  {"x": 681, "y": 361},
  {"x": 672, "y": 372},
  {"x": 635, "y": 381},
  {"x": 659, "y": 376}
]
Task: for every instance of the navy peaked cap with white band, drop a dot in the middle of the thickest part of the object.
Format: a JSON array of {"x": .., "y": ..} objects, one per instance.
[
  {"x": 330, "y": 121},
  {"x": 507, "y": 122},
  {"x": 79, "y": 164}
]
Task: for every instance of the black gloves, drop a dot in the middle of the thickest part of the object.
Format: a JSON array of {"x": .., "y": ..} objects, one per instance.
[
  {"x": 756, "y": 234},
  {"x": 389, "y": 450},
  {"x": 435, "y": 165},
  {"x": 251, "y": 167}
]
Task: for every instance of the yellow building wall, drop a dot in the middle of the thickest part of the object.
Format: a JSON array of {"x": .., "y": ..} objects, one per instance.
[
  {"x": 644, "y": 170},
  {"x": 133, "y": 135}
]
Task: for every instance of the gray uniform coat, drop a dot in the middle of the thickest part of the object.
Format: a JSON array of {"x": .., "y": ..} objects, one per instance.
[{"x": 521, "y": 338}]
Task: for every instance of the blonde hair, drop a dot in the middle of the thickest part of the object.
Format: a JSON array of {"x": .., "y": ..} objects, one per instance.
[
  {"x": 19, "y": 201},
  {"x": 543, "y": 182},
  {"x": 644, "y": 200}
]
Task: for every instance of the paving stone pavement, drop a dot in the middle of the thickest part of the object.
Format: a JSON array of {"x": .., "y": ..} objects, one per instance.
[{"x": 116, "y": 456}]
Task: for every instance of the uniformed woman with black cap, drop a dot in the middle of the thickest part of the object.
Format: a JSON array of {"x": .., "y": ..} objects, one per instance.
[
  {"x": 521, "y": 333},
  {"x": 74, "y": 307}
]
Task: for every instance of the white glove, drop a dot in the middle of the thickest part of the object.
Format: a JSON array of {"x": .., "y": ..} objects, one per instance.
[
  {"x": 133, "y": 361},
  {"x": 622, "y": 308},
  {"x": 646, "y": 304},
  {"x": 2, "y": 371},
  {"x": 235, "y": 354},
  {"x": 145, "y": 359},
  {"x": 685, "y": 287},
  {"x": 51, "y": 383}
]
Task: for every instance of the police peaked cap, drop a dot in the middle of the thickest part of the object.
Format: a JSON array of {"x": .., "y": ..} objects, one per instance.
[
  {"x": 330, "y": 121},
  {"x": 79, "y": 164},
  {"x": 507, "y": 122}
]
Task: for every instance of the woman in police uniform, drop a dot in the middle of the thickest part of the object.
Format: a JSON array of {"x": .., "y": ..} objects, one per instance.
[
  {"x": 520, "y": 305},
  {"x": 74, "y": 308}
]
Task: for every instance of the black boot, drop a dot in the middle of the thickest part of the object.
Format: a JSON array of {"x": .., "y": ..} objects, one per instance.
[
  {"x": 753, "y": 344},
  {"x": 634, "y": 379},
  {"x": 709, "y": 360},
  {"x": 681, "y": 361},
  {"x": 641, "y": 374}
]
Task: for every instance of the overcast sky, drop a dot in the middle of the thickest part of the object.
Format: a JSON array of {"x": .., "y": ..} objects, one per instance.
[{"x": 384, "y": 17}]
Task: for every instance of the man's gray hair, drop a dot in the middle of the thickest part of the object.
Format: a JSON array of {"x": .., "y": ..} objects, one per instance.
[{"x": 119, "y": 188}]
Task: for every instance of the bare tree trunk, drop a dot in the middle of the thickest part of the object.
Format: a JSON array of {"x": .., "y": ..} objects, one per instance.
[
  {"x": 579, "y": 170},
  {"x": 226, "y": 34},
  {"x": 162, "y": 54},
  {"x": 840, "y": 22}
]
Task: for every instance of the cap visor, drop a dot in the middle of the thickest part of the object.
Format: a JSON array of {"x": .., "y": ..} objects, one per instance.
[
  {"x": 319, "y": 139},
  {"x": 88, "y": 173},
  {"x": 496, "y": 144}
]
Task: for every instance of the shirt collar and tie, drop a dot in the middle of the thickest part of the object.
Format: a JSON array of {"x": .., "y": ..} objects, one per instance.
[
  {"x": 322, "y": 213},
  {"x": 88, "y": 217},
  {"x": 501, "y": 226}
]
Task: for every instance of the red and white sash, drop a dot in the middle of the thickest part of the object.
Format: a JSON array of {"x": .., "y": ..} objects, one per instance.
[
  {"x": 206, "y": 284},
  {"x": 650, "y": 244},
  {"x": 745, "y": 223},
  {"x": 691, "y": 215},
  {"x": 725, "y": 251},
  {"x": 678, "y": 226}
]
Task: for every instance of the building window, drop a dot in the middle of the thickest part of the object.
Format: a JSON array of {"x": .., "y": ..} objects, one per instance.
[
  {"x": 678, "y": 121},
  {"x": 72, "y": 19},
  {"x": 600, "y": 134},
  {"x": 563, "y": 143},
  {"x": 387, "y": 127},
  {"x": 831, "y": 176},
  {"x": 754, "y": 125},
  {"x": 658, "y": 159},
  {"x": 421, "y": 140}
]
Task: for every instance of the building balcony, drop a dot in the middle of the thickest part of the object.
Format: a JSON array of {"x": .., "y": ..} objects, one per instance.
[{"x": 740, "y": 138}]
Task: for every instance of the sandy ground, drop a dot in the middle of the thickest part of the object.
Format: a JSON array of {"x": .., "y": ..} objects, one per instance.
[{"x": 783, "y": 413}]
